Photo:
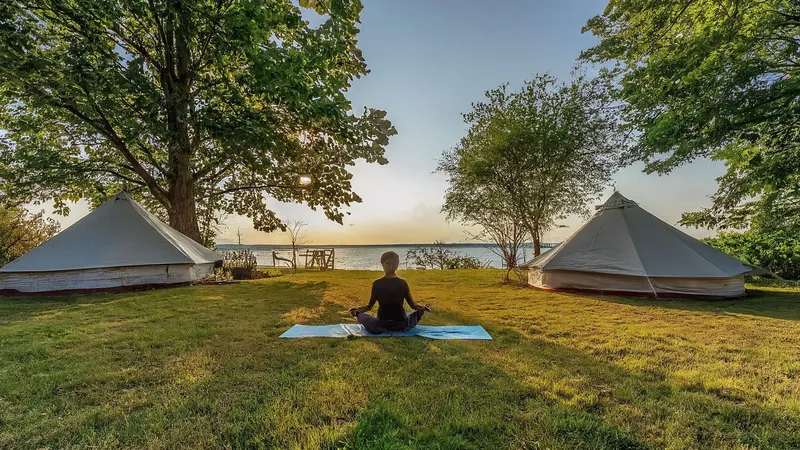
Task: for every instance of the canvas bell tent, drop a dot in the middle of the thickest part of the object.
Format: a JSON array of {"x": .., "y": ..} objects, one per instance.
[
  {"x": 118, "y": 245},
  {"x": 625, "y": 249}
]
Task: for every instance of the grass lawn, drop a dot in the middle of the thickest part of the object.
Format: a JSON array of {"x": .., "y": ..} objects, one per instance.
[{"x": 203, "y": 367}]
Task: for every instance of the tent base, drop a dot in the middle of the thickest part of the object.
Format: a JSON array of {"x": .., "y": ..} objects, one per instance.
[
  {"x": 637, "y": 286},
  {"x": 663, "y": 296},
  {"x": 109, "y": 279},
  {"x": 106, "y": 290}
]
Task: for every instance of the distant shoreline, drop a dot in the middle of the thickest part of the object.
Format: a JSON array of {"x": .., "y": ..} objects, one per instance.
[
  {"x": 367, "y": 257},
  {"x": 283, "y": 246}
]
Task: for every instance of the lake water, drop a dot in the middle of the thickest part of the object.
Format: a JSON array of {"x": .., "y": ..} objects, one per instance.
[{"x": 367, "y": 257}]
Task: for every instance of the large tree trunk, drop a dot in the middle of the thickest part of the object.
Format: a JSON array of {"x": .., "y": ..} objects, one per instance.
[
  {"x": 183, "y": 213},
  {"x": 183, "y": 208},
  {"x": 537, "y": 240}
]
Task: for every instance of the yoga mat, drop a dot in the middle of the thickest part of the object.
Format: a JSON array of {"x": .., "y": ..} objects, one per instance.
[{"x": 347, "y": 329}]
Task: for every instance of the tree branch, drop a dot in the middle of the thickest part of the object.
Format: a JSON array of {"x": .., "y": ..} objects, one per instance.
[
  {"x": 107, "y": 129},
  {"x": 116, "y": 174},
  {"x": 117, "y": 29},
  {"x": 196, "y": 65},
  {"x": 159, "y": 28},
  {"x": 151, "y": 159},
  {"x": 249, "y": 188},
  {"x": 204, "y": 173}
]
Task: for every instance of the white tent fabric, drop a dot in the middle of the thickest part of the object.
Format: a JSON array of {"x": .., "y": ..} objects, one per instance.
[
  {"x": 119, "y": 233},
  {"x": 624, "y": 248}
]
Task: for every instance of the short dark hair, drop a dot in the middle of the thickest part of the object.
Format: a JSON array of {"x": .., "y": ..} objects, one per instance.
[{"x": 390, "y": 257}]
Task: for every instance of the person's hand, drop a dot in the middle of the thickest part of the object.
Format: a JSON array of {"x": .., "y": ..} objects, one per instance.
[
  {"x": 355, "y": 310},
  {"x": 425, "y": 307}
]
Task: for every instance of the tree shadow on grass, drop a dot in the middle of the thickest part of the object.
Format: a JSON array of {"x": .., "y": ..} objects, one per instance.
[
  {"x": 523, "y": 392},
  {"x": 23, "y": 307},
  {"x": 252, "y": 390},
  {"x": 518, "y": 391},
  {"x": 17, "y": 308},
  {"x": 783, "y": 305},
  {"x": 192, "y": 369},
  {"x": 20, "y": 308},
  {"x": 459, "y": 400}
]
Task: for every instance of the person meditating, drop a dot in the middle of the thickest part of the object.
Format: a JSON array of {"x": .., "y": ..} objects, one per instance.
[{"x": 390, "y": 292}]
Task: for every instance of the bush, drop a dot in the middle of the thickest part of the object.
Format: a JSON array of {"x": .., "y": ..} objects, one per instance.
[
  {"x": 221, "y": 274},
  {"x": 241, "y": 264},
  {"x": 464, "y": 262},
  {"x": 21, "y": 232},
  {"x": 777, "y": 251},
  {"x": 438, "y": 256}
]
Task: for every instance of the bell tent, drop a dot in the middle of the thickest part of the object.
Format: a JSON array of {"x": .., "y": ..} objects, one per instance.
[
  {"x": 625, "y": 249},
  {"x": 118, "y": 245}
]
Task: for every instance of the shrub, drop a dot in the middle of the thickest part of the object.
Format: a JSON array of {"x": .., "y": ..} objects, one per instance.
[
  {"x": 221, "y": 274},
  {"x": 20, "y": 232},
  {"x": 438, "y": 256},
  {"x": 464, "y": 262},
  {"x": 777, "y": 251},
  {"x": 240, "y": 263}
]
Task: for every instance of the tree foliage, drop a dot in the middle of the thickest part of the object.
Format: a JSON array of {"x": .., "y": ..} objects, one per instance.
[
  {"x": 717, "y": 78},
  {"x": 21, "y": 231},
  {"x": 438, "y": 256},
  {"x": 195, "y": 106},
  {"x": 777, "y": 251},
  {"x": 533, "y": 157}
]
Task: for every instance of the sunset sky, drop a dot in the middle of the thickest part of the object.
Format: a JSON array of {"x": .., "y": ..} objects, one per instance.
[{"x": 429, "y": 61}]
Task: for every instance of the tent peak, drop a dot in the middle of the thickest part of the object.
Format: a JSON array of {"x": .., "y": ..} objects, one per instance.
[{"x": 616, "y": 200}]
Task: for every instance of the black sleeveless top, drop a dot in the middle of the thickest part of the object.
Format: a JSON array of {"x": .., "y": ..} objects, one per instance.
[{"x": 390, "y": 293}]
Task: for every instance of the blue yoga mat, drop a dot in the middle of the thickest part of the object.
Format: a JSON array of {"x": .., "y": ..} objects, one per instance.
[{"x": 347, "y": 329}]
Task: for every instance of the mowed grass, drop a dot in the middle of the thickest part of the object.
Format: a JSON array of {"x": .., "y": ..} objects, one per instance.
[{"x": 202, "y": 367}]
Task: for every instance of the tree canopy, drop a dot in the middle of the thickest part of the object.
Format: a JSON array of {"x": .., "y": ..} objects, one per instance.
[
  {"x": 775, "y": 250},
  {"x": 716, "y": 78},
  {"x": 533, "y": 156},
  {"x": 21, "y": 231},
  {"x": 195, "y": 106}
]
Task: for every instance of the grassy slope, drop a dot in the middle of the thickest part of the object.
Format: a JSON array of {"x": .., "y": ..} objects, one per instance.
[{"x": 202, "y": 367}]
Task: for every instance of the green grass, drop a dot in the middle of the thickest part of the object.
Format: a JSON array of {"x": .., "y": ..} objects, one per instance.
[{"x": 202, "y": 367}]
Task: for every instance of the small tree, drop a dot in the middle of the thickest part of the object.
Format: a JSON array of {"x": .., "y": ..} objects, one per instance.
[
  {"x": 506, "y": 238},
  {"x": 531, "y": 158},
  {"x": 20, "y": 232},
  {"x": 296, "y": 230},
  {"x": 499, "y": 225}
]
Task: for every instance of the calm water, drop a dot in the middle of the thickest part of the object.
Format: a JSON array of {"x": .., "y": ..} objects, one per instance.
[{"x": 367, "y": 257}]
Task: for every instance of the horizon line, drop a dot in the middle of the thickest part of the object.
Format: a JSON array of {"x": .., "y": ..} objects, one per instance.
[{"x": 371, "y": 245}]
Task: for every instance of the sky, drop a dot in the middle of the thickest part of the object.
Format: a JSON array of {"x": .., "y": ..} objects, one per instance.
[{"x": 429, "y": 60}]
